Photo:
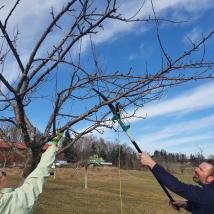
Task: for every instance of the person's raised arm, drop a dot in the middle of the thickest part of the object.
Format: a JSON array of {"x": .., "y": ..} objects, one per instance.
[
  {"x": 33, "y": 184},
  {"x": 190, "y": 192}
]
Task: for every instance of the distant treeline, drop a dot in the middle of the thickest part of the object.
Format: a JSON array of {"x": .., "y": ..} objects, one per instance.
[
  {"x": 112, "y": 152},
  {"x": 162, "y": 155},
  {"x": 115, "y": 151},
  {"x": 109, "y": 151}
]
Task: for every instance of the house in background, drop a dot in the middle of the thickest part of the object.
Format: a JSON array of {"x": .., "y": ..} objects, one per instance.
[{"x": 8, "y": 156}]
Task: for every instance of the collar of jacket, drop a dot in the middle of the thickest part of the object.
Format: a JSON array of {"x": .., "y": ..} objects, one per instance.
[
  {"x": 212, "y": 184},
  {"x": 6, "y": 190}
]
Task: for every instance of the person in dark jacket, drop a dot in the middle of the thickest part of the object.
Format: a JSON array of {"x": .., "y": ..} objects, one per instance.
[{"x": 199, "y": 199}]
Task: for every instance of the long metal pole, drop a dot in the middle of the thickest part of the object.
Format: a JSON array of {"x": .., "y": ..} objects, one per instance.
[
  {"x": 139, "y": 150},
  {"x": 125, "y": 129}
]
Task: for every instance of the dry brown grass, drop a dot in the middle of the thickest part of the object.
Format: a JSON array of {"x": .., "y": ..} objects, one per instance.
[{"x": 66, "y": 193}]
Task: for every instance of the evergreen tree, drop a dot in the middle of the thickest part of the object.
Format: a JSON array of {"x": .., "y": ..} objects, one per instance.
[
  {"x": 70, "y": 154},
  {"x": 93, "y": 149}
]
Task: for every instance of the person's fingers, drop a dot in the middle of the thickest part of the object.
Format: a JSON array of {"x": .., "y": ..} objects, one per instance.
[{"x": 173, "y": 205}]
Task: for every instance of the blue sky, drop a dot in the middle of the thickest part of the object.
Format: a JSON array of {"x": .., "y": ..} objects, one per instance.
[{"x": 183, "y": 120}]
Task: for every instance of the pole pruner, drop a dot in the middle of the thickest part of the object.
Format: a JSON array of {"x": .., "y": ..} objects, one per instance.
[{"x": 116, "y": 117}]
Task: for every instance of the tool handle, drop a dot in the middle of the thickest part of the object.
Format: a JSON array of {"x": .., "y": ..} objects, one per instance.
[{"x": 163, "y": 187}]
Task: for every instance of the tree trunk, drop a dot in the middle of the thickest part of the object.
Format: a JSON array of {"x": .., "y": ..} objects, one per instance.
[{"x": 32, "y": 162}]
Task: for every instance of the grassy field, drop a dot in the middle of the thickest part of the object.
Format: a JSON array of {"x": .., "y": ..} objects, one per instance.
[{"x": 140, "y": 193}]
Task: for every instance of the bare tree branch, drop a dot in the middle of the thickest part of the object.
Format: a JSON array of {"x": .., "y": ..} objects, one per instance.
[
  {"x": 10, "y": 13},
  {"x": 16, "y": 55},
  {"x": 70, "y": 98}
]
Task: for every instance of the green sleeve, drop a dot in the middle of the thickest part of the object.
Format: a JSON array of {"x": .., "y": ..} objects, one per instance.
[{"x": 28, "y": 193}]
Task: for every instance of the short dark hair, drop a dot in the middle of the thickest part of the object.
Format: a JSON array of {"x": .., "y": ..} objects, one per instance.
[{"x": 211, "y": 161}]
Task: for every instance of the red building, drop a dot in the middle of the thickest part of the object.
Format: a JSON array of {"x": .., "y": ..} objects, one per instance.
[{"x": 9, "y": 157}]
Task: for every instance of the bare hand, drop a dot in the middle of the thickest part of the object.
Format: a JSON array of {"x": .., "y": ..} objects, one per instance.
[
  {"x": 180, "y": 204},
  {"x": 146, "y": 160}
]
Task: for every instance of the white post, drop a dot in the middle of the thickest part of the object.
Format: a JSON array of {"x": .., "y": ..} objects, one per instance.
[{"x": 86, "y": 177}]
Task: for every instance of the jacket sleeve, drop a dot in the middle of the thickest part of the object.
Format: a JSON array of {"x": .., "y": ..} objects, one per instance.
[
  {"x": 189, "y": 206},
  {"x": 192, "y": 193},
  {"x": 28, "y": 193}
]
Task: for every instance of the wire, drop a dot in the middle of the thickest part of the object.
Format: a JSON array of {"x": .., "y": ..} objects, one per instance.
[{"x": 119, "y": 171}]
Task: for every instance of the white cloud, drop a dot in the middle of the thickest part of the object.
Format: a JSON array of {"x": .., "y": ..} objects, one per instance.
[
  {"x": 180, "y": 141},
  {"x": 177, "y": 133},
  {"x": 195, "y": 35},
  {"x": 113, "y": 29},
  {"x": 131, "y": 57},
  {"x": 29, "y": 18},
  {"x": 169, "y": 132},
  {"x": 32, "y": 16},
  {"x": 193, "y": 100},
  {"x": 37, "y": 13}
]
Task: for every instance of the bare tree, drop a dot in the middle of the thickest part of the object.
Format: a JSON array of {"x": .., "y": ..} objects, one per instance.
[
  {"x": 77, "y": 20},
  {"x": 12, "y": 132},
  {"x": 5, "y": 154}
]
